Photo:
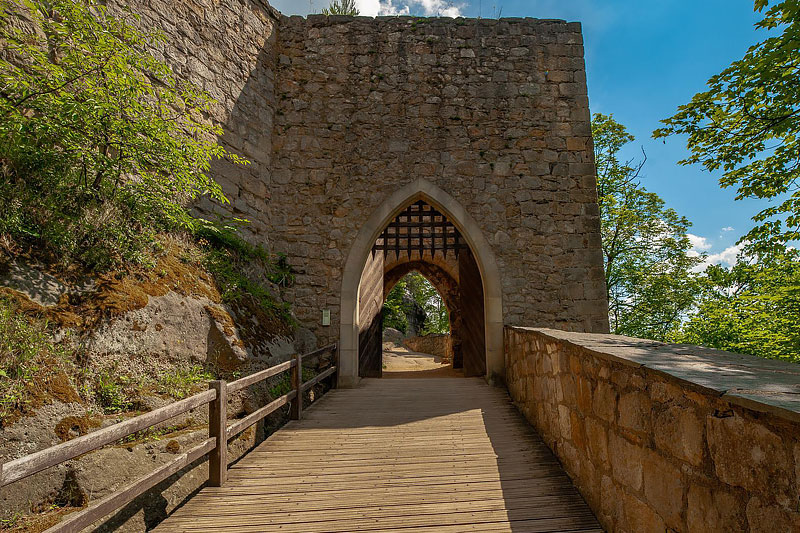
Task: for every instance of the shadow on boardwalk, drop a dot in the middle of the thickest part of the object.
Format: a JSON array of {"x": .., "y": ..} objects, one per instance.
[{"x": 429, "y": 455}]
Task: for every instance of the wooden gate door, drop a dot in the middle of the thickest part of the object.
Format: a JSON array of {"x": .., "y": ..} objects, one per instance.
[{"x": 473, "y": 332}]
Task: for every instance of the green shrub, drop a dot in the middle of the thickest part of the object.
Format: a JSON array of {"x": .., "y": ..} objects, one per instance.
[
  {"x": 109, "y": 392},
  {"x": 101, "y": 145},
  {"x": 27, "y": 358},
  {"x": 182, "y": 382},
  {"x": 284, "y": 384},
  {"x": 241, "y": 269}
]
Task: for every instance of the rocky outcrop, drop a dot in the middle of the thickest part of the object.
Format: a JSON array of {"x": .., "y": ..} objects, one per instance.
[
  {"x": 393, "y": 336},
  {"x": 147, "y": 329},
  {"x": 173, "y": 327}
]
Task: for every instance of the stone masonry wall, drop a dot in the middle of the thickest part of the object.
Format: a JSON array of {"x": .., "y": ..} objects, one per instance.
[
  {"x": 495, "y": 113},
  {"x": 437, "y": 344},
  {"x": 664, "y": 438},
  {"x": 227, "y": 49},
  {"x": 336, "y": 113}
]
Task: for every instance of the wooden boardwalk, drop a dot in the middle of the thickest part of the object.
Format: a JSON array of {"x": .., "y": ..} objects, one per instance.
[{"x": 428, "y": 455}]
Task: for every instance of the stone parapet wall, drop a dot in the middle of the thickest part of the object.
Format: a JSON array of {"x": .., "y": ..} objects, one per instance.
[
  {"x": 664, "y": 437},
  {"x": 434, "y": 344}
]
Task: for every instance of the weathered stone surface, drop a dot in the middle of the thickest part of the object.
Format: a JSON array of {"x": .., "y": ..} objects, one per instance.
[
  {"x": 714, "y": 510},
  {"x": 604, "y": 402},
  {"x": 626, "y": 462},
  {"x": 640, "y": 517},
  {"x": 393, "y": 336},
  {"x": 746, "y": 454},
  {"x": 663, "y": 489},
  {"x": 433, "y": 344},
  {"x": 172, "y": 327},
  {"x": 679, "y": 431},
  {"x": 765, "y": 518},
  {"x": 634, "y": 411},
  {"x": 37, "y": 285}
]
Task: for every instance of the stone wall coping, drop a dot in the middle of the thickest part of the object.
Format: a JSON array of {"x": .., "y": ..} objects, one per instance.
[
  {"x": 765, "y": 385},
  {"x": 317, "y": 19}
]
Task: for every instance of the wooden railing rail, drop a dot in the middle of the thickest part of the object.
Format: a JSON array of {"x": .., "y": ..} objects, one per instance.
[
  {"x": 215, "y": 446},
  {"x": 36, "y": 462}
]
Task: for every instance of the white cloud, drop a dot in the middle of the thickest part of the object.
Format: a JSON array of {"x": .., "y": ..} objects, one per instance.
[
  {"x": 368, "y": 8},
  {"x": 699, "y": 244},
  {"x": 726, "y": 257},
  {"x": 442, "y": 8},
  {"x": 727, "y": 228}
]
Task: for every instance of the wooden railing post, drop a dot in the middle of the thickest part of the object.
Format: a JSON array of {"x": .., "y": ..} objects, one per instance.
[
  {"x": 217, "y": 428},
  {"x": 297, "y": 384}
]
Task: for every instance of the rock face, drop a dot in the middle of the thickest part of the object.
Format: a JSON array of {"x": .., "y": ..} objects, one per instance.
[
  {"x": 393, "y": 336},
  {"x": 659, "y": 437},
  {"x": 337, "y": 113},
  {"x": 174, "y": 327},
  {"x": 39, "y": 286},
  {"x": 149, "y": 340}
]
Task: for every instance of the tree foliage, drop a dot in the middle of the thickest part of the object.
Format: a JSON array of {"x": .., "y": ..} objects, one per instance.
[
  {"x": 342, "y": 7},
  {"x": 414, "y": 307},
  {"x": 752, "y": 307},
  {"x": 100, "y": 142},
  {"x": 648, "y": 267},
  {"x": 747, "y": 124}
]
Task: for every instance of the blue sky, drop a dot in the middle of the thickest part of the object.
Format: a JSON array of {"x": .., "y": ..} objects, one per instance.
[{"x": 643, "y": 59}]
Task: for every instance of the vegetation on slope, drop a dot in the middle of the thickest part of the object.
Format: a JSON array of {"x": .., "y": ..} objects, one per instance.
[{"x": 103, "y": 150}]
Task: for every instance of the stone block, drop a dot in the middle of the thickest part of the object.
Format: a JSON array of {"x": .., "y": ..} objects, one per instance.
[
  {"x": 763, "y": 517},
  {"x": 680, "y": 432},
  {"x": 746, "y": 454},
  {"x": 714, "y": 510},
  {"x": 597, "y": 442},
  {"x": 604, "y": 401},
  {"x": 612, "y": 509},
  {"x": 583, "y": 393},
  {"x": 640, "y": 517},
  {"x": 664, "y": 489},
  {"x": 634, "y": 411},
  {"x": 626, "y": 462}
]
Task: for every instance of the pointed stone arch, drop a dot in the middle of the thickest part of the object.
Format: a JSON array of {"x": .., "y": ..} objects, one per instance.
[{"x": 420, "y": 189}]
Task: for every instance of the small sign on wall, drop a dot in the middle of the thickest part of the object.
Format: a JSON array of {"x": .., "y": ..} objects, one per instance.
[{"x": 326, "y": 317}]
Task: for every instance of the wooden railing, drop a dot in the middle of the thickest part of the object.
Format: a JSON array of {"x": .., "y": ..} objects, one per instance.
[{"x": 215, "y": 446}]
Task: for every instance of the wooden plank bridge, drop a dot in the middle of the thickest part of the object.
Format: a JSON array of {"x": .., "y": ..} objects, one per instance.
[
  {"x": 430, "y": 455},
  {"x": 435, "y": 455}
]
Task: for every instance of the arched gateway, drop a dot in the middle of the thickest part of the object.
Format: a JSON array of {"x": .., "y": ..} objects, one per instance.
[
  {"x": 352, "y": 325},
  {"x": 347, "y": 121}
]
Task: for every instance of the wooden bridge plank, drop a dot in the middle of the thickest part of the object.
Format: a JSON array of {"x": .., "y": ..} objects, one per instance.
[{"x": 425, "y": 455}]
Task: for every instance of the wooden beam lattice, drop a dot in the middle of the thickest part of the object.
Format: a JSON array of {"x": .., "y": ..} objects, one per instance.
[{"x": 419, "y": 228}]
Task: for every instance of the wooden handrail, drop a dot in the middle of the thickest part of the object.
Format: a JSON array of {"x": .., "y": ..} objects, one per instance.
[
  {"x": 36, "y": 462},
  {"x": 244, "y": 423},
  {"x": 215, "y": 445},
  {"x": 320, "y": 351},
  {"x": 319, "y": 377},
  {"x": 78, "y": 521},
  {"x": 240, "y": 384}
]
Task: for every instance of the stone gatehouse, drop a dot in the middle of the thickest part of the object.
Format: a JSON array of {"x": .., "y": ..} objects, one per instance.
[{"x": 349, "y": 120}]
